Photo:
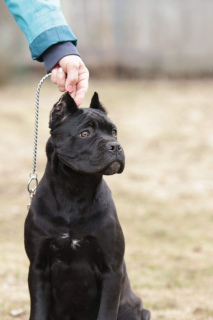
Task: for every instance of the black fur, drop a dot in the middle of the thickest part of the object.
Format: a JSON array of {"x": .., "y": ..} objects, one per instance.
[
  {"x": 95, "y": 103},
  {"x": 73, "y": 237}
]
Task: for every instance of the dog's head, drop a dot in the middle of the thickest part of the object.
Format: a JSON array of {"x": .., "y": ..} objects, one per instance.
[{"x": 85, "y": 139}]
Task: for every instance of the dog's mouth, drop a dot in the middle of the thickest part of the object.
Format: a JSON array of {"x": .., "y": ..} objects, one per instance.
[{"x": 113, "y": 168}]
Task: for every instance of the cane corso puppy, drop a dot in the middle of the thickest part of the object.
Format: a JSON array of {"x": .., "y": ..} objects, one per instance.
[{"x": 73, "y": 238}]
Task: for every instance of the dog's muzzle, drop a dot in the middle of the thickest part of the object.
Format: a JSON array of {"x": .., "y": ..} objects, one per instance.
[{"x": 114, "y": 147}]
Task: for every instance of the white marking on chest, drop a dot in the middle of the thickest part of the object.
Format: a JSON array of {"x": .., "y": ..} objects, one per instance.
[
  {"x": 65, "y": 235},
  {"x": 75, "y": 243}
]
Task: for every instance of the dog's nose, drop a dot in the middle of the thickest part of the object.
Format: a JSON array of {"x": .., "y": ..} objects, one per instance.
[{"x": 114, "y": 147}]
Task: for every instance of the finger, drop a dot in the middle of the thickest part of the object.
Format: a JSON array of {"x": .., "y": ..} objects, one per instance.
[
  {"x": 73, "y": 93},
  {"x": 70, "y": 89},
  {"x": 79, "y": 97},
  {"x": 82, "y": 85},
  {"x": 61, "y": 78},
  {"x": 54, "y": 75},
  {"x": 72, "y": 74}
]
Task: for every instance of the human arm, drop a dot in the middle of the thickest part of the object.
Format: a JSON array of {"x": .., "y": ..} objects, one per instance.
[
  {"x": 51, "y": 40},
  {"x": 43, "y": 23}
]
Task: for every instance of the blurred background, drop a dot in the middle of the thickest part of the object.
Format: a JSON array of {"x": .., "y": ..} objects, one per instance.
[
  {"x": 151, "y": 63},
  {"x": 138, "y": 38}
]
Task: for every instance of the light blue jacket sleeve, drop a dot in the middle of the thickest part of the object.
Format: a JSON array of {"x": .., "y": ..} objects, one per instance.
[{"x": 43, "y": 23}]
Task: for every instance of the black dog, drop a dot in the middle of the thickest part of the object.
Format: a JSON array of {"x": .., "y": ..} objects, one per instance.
[{"x": 73, "y": 237}]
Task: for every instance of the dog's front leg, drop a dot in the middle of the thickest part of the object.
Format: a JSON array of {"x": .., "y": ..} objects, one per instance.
[
  {"x": 110, "y": 295},
  {"x": 40, "y": 294}
]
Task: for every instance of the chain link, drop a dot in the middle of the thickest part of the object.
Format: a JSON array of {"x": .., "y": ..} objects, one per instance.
[
  {"x": 33, "y": 173},
  {"x": 36, "y": 123}
]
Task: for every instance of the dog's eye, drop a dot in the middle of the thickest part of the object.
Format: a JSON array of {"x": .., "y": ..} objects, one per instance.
[
  {"x": 114, "y": 133},
  {"x": 84, "y": 134}
]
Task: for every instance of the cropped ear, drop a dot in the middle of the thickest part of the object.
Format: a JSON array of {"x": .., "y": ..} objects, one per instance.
[
  {"x": 62, "y": 109},
  {"x": 95, "y": 103}
]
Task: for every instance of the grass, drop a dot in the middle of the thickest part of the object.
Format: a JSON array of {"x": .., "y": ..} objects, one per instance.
[{"x": 163, "y": 198}]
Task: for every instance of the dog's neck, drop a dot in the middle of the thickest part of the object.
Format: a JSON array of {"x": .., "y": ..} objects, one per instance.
[{"x": 71, "y": 188}]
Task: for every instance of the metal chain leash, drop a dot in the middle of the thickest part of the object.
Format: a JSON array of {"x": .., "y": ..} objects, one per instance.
[{"x": 33, "y": 173}]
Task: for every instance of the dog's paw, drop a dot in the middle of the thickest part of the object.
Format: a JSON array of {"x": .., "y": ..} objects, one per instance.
[{"x": 145, "y": 315}]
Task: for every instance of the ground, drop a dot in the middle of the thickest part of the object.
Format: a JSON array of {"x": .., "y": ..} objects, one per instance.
[{"x": 164, "y": 197}]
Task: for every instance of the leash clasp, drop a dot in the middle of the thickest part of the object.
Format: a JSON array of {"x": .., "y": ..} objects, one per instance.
[{"x": 32, "y": 190}]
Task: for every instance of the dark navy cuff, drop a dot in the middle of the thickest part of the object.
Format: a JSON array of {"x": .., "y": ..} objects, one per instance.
[{"x": 56, "y": 52}]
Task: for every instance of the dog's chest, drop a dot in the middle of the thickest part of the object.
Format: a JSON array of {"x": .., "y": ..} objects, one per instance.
[
  {"x": 65, "y": 241},
  {"x": 75, "y": 268},
  {"x": 67, "y": 248}
]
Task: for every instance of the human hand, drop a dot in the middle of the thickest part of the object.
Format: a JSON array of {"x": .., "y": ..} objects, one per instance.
[{"x": 71, "y": 74}]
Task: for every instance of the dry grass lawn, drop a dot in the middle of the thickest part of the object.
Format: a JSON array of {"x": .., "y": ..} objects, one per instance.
[{"x": 164, "y": 197}]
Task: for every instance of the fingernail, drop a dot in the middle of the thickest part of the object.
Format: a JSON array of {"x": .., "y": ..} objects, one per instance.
[
  {"x": 60, "y": 70},
  {"x": 69, "y": 88}
]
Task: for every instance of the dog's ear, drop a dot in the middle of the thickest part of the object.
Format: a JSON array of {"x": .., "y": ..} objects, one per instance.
[
  {"x": 62, "y": 109},
  {"x": 95, "y": 103}
]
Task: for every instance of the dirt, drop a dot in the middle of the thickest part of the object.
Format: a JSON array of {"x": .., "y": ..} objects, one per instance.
[{"x": 164, "y": 198}]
